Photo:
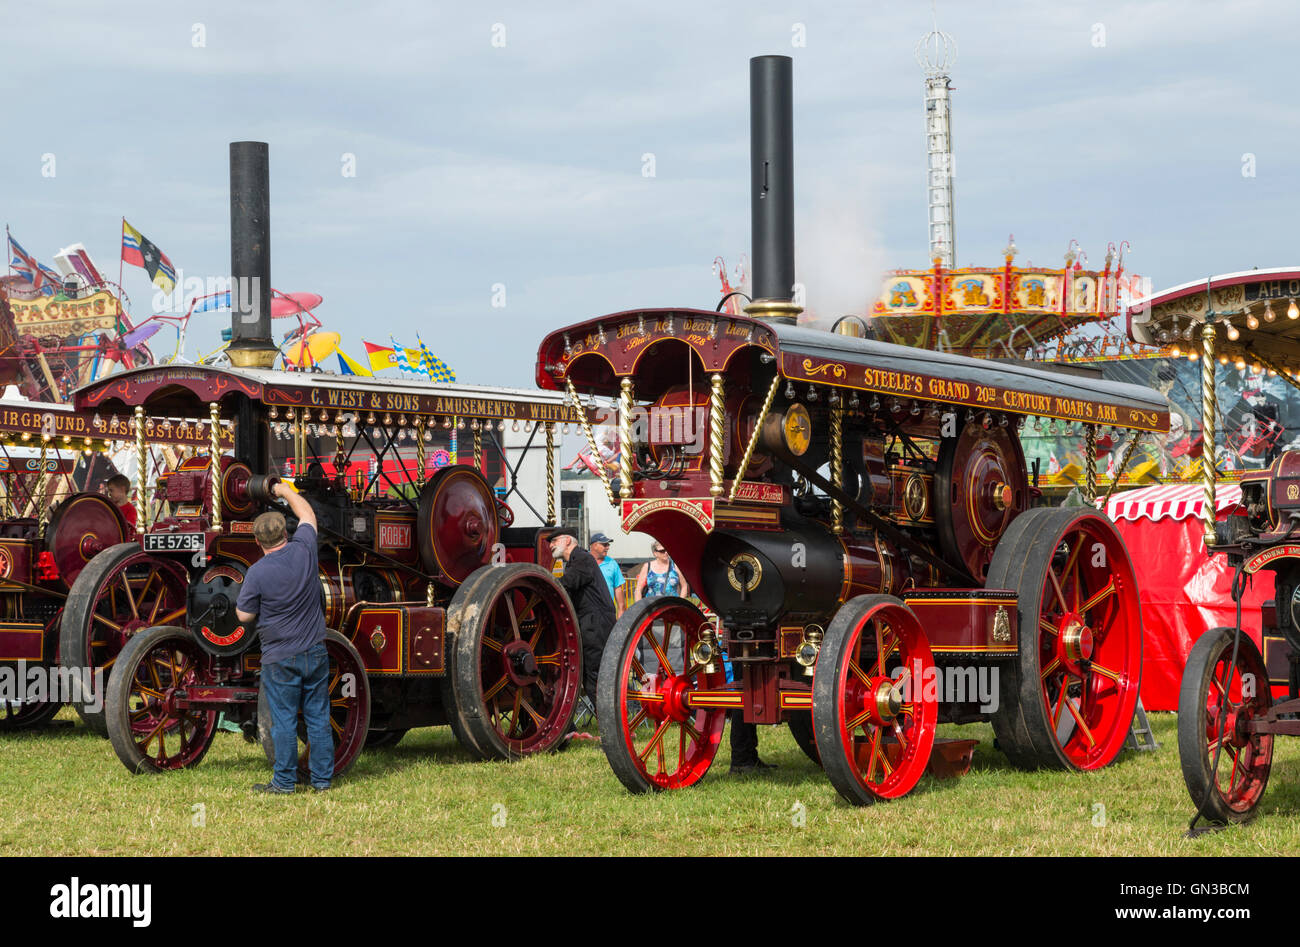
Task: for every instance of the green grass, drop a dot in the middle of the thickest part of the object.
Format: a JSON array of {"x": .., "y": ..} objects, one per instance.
[{"x": 65, "y": 793}]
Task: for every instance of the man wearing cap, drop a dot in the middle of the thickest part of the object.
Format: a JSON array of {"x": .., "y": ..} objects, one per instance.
[
  {"x": 599, "y": 547},
  {"x": 589, "y": 593},
  {"x": 282, "y": 591}
]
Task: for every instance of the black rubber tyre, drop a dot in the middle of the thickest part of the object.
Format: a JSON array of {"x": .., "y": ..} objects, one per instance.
[
  {"x": 1198, "y": 721},
  {"x": 801, "y": 728},
  {"x": 454, "y": 719},
  {"x": 79, "y": 648},
  {"x": 513, "y": 632},
  {"x": 349, "y": 715},
  {"x": 381, "y": 739},
  {"x": 1103, "y": 683},
  {"x": 155, "y": 662},
  {"x": 27, "y": 716}
]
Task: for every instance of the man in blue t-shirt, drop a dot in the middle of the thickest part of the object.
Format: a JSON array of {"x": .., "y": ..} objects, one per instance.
[
  {"x": 599, "y": 547},
  {"x": 282, "y": 591}
]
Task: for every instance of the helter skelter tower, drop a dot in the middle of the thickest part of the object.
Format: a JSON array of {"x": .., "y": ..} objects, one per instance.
[{"x": 937, "y": 54}]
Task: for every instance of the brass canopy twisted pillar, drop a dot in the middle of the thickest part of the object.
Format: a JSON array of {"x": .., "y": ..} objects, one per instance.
[
  {"x": 625, "y": 447},
  {"x": 141, "y": 471},
  {"x": 1090, "y": 462},
  {"x": 419, "y": 449},
  {"x": 42, "y": 488},
  {"x": 550, "y": 473},
  {"x": 1209, "y": 407},
  {"x": 837, "y": 463},
  {"x": 717, "y": 425},
  {"x": 214, "y": 422}
]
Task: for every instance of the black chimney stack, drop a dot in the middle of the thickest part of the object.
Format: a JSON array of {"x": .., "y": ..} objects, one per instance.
[
  {"x": 771, "y": 161},
  {"x": 251, "y": 345}
]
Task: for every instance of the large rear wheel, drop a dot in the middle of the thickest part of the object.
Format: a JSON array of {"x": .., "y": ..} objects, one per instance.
[
  {"x": 516, "y": 661},
  {"x": 1067, "y": 701},
  {"x": 122, "y": 591}
]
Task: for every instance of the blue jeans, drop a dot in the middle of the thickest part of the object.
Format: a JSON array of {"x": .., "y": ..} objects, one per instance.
[{"x": 301, "y": 682}]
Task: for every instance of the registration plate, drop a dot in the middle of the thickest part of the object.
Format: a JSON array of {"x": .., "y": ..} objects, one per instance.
[{"x": 173, "y": 542}]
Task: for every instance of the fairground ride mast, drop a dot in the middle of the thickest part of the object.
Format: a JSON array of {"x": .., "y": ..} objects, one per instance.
[{"x": 937, "y": 53}]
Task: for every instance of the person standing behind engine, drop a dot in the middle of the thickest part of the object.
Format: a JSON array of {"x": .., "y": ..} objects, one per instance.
[{"x": 589, "y": 593}]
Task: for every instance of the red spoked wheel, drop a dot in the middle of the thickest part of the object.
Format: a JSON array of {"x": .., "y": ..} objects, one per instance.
[
  {"x": 149, "y": 731},
  {"x": 516, "y": 662},
  {"x": 653, "y": 737},
  {"x": 874, "y": 720},
  {"x": 1067, "y": 701},
  {"x": 122, "y": 591},
  {"x": 1217, "y": 702},
  {"x": 349, "y": 709}
]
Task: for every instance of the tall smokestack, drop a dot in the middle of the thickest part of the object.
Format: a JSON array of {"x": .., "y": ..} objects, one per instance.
[
  {"x": 771, "y": 163},
  {"x": 251, "y": 345}
]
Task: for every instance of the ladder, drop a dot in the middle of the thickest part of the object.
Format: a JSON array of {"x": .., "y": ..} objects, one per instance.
[{"x": 1140, "y": 736}]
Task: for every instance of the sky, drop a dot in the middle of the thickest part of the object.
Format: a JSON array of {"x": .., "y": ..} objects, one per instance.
[{"x": 500, "y": 152}]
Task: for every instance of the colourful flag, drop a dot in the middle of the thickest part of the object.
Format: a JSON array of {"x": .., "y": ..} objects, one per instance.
[
  {"x": 403, "y": 362},
  {"x": 436, "y": 368},
  {"x": 348, "y": 366},
  {"x": 419, "y": 362},
  {"x": 138, "y": 251},
  {"x": 212, "y": 302},
  {"x": 38, "y": 274},
  {"x": 380, "y": 356}
]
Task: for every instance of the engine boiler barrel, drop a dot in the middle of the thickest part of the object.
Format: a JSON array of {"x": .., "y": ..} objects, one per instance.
[{"x": 762, "y": 579}]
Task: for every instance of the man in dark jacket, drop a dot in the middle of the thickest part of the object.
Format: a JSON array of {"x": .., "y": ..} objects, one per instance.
[{"x": 589, "y": 593}]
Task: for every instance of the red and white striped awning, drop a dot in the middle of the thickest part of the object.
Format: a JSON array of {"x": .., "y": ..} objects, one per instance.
[{"x": 1171, "y": 501}]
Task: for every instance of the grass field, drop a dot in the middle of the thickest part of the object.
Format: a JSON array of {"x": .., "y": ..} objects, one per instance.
[{"x": 63, "y": 792}]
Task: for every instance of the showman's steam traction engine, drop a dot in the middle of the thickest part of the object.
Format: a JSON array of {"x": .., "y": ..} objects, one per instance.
[
  {"x": 857, "y": 516},
  {"x": 438, "y": 608}
]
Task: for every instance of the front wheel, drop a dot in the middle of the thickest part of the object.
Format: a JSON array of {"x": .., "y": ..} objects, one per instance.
[
  {"x": 1216, "y": 704},
  {"x": 149, "y": 731},
  {"x": 679, "y": 743},
  {"x": 873, "y": 710},
  {"x": 349, "y": 709}
]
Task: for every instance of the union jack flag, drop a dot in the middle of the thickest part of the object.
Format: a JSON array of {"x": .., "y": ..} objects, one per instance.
[{"x": 38, "y": 274}]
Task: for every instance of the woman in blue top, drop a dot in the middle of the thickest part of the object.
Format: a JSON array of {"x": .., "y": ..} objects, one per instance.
[{"x": 660, "y": 577}]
